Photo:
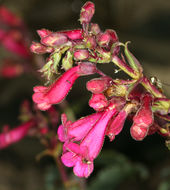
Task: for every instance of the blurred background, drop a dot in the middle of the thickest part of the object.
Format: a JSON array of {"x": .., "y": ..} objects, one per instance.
[{"x": 123, "y": 163}]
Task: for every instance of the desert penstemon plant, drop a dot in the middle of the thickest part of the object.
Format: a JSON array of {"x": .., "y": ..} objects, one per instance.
[{"x": 113, "y": 99}]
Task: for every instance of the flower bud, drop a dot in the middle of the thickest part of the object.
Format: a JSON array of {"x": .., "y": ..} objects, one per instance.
[
  {"x": 73, "y": 34},
  {"x": 138, "y": 133},
  {"x": 87, "y": 68},
  {"x": 98, "y": 102},
  {"x": 103, "y": 39},
  {"x": 98, "y": 85},
  {"x": 95, "y": 29},
  {"x": 39, "y": 48},
  {"x": 113, "y": 35},
  {"x": 90, "y": 42},
  {"x": 43, "y": 33},
  {"x": 54, "y": 39},
  {"x": 87, "y": 12},
  {"x": 81, "y": 54}
]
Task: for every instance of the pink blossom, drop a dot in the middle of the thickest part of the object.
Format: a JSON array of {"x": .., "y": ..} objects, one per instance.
[
  {"x": 77, "y": 130},
  {"x": 81, "y": 156},
  {"x": 117, "y": 123},
  {"x": 143, "y": 119},
  {"x": 46, "y": 96},
  {"x": 15, "y": 135}
]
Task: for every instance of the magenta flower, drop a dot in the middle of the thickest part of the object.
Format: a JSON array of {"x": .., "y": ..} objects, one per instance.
[
  {"x": 54, "y": 94},
  {"x": 15, "y": 135},
  {"x": 77, "y": 130},
  {"x": 143, "y": 119},
  {"x": 81, "y": 156}
]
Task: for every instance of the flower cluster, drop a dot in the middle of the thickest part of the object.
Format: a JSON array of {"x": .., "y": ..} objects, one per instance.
[{"x": 112, "y": 99}]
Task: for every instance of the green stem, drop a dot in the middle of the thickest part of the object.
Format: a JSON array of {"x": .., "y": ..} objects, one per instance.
[
  {"x": 151, "y": 88},
  {"x": 122, "y": 65}
]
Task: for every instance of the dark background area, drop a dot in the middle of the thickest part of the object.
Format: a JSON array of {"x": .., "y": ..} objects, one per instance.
[{"x": 147, "y": 25}]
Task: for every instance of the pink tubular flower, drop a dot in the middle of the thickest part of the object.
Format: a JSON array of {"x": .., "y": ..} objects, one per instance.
[
  {"x": 143, "y": 119},
  {"x": 116, "y": 125},
  {"x": 81, "y": 156},
  {"x": 78, "y": 129},
  {"x": 15, "y": 135},
  {"x": 46, "y": 96}
]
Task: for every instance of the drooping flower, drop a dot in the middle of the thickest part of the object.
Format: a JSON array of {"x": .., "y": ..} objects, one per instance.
[
  {"x": 77, "y": 130},
  {"x": 46, "y": 96},
  {"x": 81, "y": 156},
  {"x": 117, "y": 123},
  {"x": 143, "y": 119}
]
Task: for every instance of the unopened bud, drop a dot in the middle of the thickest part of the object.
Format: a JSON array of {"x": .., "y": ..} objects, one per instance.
[
  {"x": 81, "y": 54},
  {"x": 39, "y": 48},
  {"x": 103, "y": 39},
  {"x": 73, "y": 34},
  {"x": 43, "y": 33},
  {"x": 87, "y": 12},
  {"x": 98, "y": 85},
  {"x": 87, "y": 68},
  {"x": 54, "y": 39},
  {"x": 90, "y": 42},
  {"x": 95, "y": 29},
  {"x": 138, "y": 133},
  {"x": 113, "y": 35},
  {"x": 98, "y": 102}
]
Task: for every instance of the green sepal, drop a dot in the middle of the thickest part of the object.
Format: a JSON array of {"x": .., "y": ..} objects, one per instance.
[
  {"x": 67, "y": 61},
  {"x": 46, "y": 70},
  {"x": 161, "y": 106},
  {"x": 133, "y": 62}
]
